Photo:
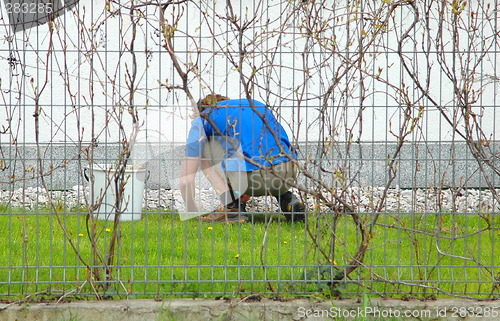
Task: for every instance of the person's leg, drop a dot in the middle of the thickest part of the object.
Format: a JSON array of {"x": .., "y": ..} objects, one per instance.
[
  {"x": 277, "y": 181},
  {"x": 213, "y": 155},
  {"x": 232, "y": 209},
  {"x": 290, "y": 205}
]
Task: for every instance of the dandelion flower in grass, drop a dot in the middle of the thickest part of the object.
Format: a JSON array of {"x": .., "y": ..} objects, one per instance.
[
  {"x": 108, "y": 230},
  {"x": 285, "y": 242},
  {"x": 81, "y": 234},
  {"x": 209, "y": 227}
]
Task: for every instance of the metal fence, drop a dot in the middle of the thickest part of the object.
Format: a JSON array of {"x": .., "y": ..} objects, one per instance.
[{"x": 391, "y": 106}]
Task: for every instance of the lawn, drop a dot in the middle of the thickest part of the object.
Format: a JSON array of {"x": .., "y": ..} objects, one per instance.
[{"x": 442, "y": 254}]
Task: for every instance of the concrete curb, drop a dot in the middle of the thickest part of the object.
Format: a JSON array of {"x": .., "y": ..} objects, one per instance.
[{"x": 265, "y": 309}]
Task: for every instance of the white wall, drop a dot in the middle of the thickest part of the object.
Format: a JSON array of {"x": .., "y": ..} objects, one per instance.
[{"x": 68, "y": 117}]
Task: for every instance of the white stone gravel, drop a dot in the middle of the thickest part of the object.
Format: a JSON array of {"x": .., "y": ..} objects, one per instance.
[{"x": 366, "y": 199}]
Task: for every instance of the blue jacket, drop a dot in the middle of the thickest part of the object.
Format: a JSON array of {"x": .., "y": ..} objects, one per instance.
[{"x": 238, "y": 123}]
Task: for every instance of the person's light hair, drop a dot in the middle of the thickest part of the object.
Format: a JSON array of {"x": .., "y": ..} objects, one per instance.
[{"x": 210, "y": 101}]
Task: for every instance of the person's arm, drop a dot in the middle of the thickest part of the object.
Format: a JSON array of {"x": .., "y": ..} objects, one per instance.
[
  {"x": 187, "y": 182},
  {"x": 218, "y": 182},
  {"x": 194, "y": 149}
]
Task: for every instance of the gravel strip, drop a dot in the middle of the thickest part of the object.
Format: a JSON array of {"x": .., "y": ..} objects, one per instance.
[{"x": 365, "y": 198}]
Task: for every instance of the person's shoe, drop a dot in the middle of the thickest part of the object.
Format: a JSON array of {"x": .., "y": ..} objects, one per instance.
[
  {"x": 232, "y": 213},
  {"x": 244, "y": 199},
  {"x": 228, "y": 218},
  {"x": 293, "y": 209}
]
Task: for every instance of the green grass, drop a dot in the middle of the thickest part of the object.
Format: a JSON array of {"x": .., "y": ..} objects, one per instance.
[{"x": 162, "y": 255}]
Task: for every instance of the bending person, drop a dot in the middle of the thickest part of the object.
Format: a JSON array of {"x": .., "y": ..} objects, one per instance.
[{"x": 243, "y": 152}]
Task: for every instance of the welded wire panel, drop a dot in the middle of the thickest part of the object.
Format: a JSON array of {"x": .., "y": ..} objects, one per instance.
[{"x": 387, "y": 109}]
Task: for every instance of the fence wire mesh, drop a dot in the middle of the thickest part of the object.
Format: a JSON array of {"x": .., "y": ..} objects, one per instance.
[{"x": 389, "y": 105}]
